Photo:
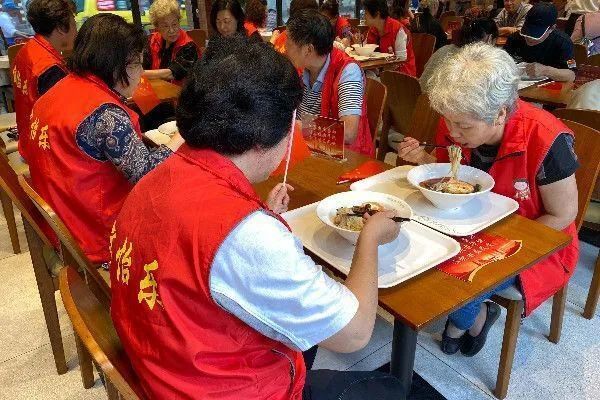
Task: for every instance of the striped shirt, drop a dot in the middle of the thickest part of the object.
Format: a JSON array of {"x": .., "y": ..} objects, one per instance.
[{"x": 351, "y": 89}]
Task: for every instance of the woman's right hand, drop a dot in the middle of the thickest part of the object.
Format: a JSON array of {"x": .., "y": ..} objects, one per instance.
[
  {"x": 409, "y": 149},
  {"x": 381, "y": 227}
]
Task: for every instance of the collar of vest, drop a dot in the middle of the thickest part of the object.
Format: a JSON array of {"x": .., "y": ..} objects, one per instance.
[
  {"x": 42, "y": 41},
  {"x": 102, "y": 85},
  {"x": 250, "y": 27},
  {"x": 390, "y": 26}
]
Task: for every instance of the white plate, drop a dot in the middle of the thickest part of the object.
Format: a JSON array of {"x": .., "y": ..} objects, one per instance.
[
  {"x": 168, "y": 128},
  {"x": 157, "y": 137},
  {"x": 473, "y": 217},
  {"x": 417, "y": 248},
  {"x": 375, "y": 56}
]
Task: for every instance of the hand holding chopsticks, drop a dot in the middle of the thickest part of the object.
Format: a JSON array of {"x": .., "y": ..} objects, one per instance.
[{"x": 413, "y": 151}]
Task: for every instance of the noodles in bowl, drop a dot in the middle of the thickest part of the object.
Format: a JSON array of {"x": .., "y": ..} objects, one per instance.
[
  {"x": 351, "y": 218},
  {"x": 451, "y": 184}
]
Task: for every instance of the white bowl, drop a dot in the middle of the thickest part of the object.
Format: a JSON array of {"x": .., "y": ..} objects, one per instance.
[
  {"x": 168, "y": 128},
  {"x": 366, "y": 50},
  {"x": 327, "y": 208},
  {"x": 448, "y": 201}
]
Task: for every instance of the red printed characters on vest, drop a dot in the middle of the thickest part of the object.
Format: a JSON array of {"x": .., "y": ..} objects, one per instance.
[
  {"x": 43, "y": 137},
  {"x": 149, "y": 296},
  {"x": 522, "y": 191},
  {"x": 123, "y": 259}
]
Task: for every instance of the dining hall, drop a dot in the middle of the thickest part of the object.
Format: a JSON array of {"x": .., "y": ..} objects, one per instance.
[{"x": 300, "y": 199}]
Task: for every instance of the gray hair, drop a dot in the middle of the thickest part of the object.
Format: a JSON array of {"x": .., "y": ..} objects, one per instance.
[
  {"x": 478, "y": 80},
  {"x": 431, "y": 4}
]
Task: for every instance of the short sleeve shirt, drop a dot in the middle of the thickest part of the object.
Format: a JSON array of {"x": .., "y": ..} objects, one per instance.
[{"x": 556, "y": 51}]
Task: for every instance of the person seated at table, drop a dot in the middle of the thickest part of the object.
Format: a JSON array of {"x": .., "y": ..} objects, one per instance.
[
  {"x": 400, "y": 10},
  {"x": 511, "y": 18},
  {"x": 8, "y": 11},
  {"x": 279, "y": 39},
  {"x": 527, "y": 151},
  {"x": 171, "y": 51},
  {"x": 39, "y": 64},
  {"x": 587, "y": 32},
  {"x": 341, "y": 26},
  {"x": 219, "y": 298},
  {"x": 227, "y": 18},
  {"x": 88, "y": 150},
  {"x": 478, "y": 30},
  {"x": 256, "y": 18},
  {"x": 390, "y": 34},
  {"x": 334, "y": 85},
  {"x": 547, "y": 50},
  {"x": 426, "y": 23}
]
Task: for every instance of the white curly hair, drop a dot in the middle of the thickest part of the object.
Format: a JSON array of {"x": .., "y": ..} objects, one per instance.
[{"x": 163, "y": 8}]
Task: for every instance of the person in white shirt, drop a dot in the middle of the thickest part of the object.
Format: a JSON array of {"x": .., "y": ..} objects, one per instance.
[
  {"x": 512, "y": 17},
  {"x": 576, "y": 8}
]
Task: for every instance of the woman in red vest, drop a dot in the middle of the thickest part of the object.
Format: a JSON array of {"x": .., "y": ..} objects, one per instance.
[
  {"x": 334, "y": 85},
  {"x": 171, "y": 51},
  {"x": 39, "y": 64},
  {"x": 390, "y": 34},
  {"x": 212, "y": 295},
  {"x": 88, "y": 152},
  {"x": 527, "y": 151},
  {"x": 279, "y": 39},
  {"x": 256, "y": 18},
  {"x": 341, "y": 26}
]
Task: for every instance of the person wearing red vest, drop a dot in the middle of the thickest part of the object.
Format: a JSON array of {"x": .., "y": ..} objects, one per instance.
[
  {"x": 527, "y": 151},
  {"x": 256, "y": 18},
  {"x": 212, "y": 296},
  {"x": 341, "y": 25},
  {"x": 87, "y": 152},
  {"x": 39, "y": 64},
  {"x": 334, "y": 85},
  {"x": 390, "y": 34},
  {"x": 279, "y": 39}
]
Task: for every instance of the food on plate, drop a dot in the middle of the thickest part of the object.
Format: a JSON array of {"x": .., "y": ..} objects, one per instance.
[
  {"x": 351, "y": 218},
  {"x": 451, "y": 184}
]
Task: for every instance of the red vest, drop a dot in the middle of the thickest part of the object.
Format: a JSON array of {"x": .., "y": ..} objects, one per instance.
[
  {"x": 156, "y": 44},
  {"x": 250, "y": 28},
  {"x": 182, "y": 344},
  {"x": 387, "y": 44},
  {"x": 280, "y": 42},
  {"x": 85, "y": 193},
  {"x": 341, "y": 24},
  {"x": 34, "y": 58},
  {"x": 330, "y": 100},
  {"x": 528, "y": 136}
]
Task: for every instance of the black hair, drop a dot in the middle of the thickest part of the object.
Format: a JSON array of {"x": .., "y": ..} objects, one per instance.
[
  {"x": 47, "y": 15},
  {"x": 234, "y": 7},
  {"x": 312, "y": 27},
  {"x": 331, "y": 8},
  {"x": 91, "y": 54},
  {"x": 240, "y": 96},
  {"x": 377, "y": 6},
  {"x": 476, "y": 30},
  {"x": 256, "y": 12},
  {"x": 299, "y": 5}
]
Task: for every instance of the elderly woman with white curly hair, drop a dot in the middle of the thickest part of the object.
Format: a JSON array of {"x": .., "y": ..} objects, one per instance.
[{"x": 530, "y": 155}]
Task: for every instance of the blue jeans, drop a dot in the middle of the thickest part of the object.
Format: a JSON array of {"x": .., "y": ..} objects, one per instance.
[{"x": 464, "y": 317}]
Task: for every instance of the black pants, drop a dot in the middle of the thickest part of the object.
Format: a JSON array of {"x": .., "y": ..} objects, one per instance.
[{"x": 570, "y": 25}]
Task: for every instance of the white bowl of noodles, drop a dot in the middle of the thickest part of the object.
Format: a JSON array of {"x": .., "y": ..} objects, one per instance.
[
  {"x": 421, "y": 175},
  {"x": 330, "y": 207}
]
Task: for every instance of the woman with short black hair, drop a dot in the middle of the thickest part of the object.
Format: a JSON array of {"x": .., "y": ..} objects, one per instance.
[
  {"x": 89, "y": 152},
  {"x": 341, "y": 25},
  {"x": 227, "y": 17},
  {"x": 256, "y": 18}
]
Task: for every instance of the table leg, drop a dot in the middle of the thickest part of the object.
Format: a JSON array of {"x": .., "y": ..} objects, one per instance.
[{"x": 404, "y": 345}]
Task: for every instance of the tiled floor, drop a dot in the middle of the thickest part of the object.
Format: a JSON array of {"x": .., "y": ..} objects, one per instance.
[{"x": 570, "y": 370}]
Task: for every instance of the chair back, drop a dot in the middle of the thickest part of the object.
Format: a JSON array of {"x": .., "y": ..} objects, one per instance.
[
  {"x": 425, "y": 120},
  {"x": 593, "y": 60},
  {"x": 589, "y": 118},
  {"x": 403, "y": 92},
  {"x": 280, "y": 28},
  {"x": 451, "y": 23},
  {"x": 199, "y": 37},
  {"x": 72, "y": 252},
  {"x": 12, "y": 54},
  {"x": 580, "y": 53},
  {"x": 447, "y": 14},
  {"x": 376, "y": 97},
  {"x": 93, "y": 325},
  {"x": 423, "y": 47},
  {"x": 354, "y": 22},
  {"x": 587, "y": 148}
]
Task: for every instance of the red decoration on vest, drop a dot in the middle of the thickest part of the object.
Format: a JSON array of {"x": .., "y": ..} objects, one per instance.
[
  {"x": 181, "y": 344},
  {"x": 528, "y": 136},
  {"x": 156, "y": 45},
  {"x": 84, "y": 192},
  {"x": 341, "y": 24},
  {"x": 280, "y": 42},
  {"x": 250, "y": 27},
  {"x": 330, "y": 100},
  {"x": 387, "y": 43},
  {"x": 34, "y": 58}
]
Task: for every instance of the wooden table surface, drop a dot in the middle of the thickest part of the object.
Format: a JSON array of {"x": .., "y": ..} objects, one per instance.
[
  {"x": 432, "y": 294},
  {"x": 165, "y": 91},
  {"x": 377, "y": 64},
  {"x": 538, "y": 93}
]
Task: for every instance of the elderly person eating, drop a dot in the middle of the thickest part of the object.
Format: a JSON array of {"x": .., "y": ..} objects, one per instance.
[{"x": 527, "y": 151}]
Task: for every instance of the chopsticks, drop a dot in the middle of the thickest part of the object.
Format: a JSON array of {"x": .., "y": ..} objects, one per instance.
[
  {"x": 424, "y": 144},
  {"x": 395, "y": 219},
  {"x": 289, "y": 149}
]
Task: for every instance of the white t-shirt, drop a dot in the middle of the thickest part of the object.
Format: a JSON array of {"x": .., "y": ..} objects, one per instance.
[
  {"x": 261, "y": 275},
  {"x": 7, "y": 25},
  {"x": 400, "y": 45}
]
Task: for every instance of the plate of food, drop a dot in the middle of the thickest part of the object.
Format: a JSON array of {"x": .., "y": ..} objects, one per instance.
[
  {"x": 168, "y": 128},
  {"x": 344, "y": 211}
]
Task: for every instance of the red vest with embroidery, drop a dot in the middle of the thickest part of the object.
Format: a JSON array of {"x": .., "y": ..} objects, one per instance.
[
  {"x": 183, "y": 345},
  {"x": 34, "y": 58},
  {"x": 84, "y": 192},
  {"x": 250, "y": 28},
  {"x": 387, "y": 44},
  {"x": 340, "y": 25},
  {"x": 528, "y": 136},
  {"x": 156, "y": 45},
  {"x": 330, "y": 97}
]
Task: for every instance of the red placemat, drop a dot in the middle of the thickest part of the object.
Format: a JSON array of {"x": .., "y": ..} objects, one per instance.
[
  {"x": 476, "y": 252},
  {"x": 365, "y": 170}
]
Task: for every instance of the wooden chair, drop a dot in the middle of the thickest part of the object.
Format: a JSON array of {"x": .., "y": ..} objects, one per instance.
[
  {"x": 39, "y": 244},
  {"x": 280, "y": 28},
  {"x": 424, "y": 123},
  {"x": 580, "y": 53},
  {"x": 95, "y": 330},
  {"x": 451, "y": 23},
  {"x": 447, "y": 14},
  {"x": 423, "y": 47},
  {"x": 199, "y": 37},
  {"x": 376, "y": 93},
  {"x": 594, "y": 60},
  {"x": 403, "y": 91},
  {"x": 354, "y": 22},
  {"x": 587, "y": 148}
]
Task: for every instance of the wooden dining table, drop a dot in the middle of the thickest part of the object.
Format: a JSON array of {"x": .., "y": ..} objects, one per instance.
[
  {"x": 543, "y": 93},
  {"x": 382, "y": 63},
  {"x": 426, "y": 298},
  {"x": 165, "y": 91}
]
